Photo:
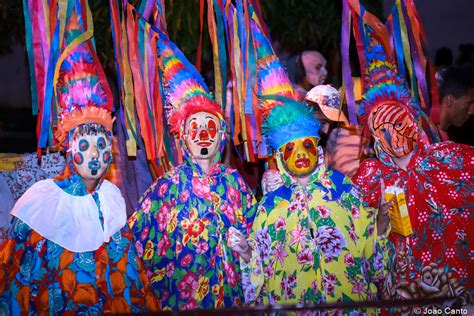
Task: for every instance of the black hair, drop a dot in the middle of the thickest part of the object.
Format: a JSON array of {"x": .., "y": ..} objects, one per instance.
[
  {"x": 456, "y": 81},
  {"x": 443, "y": 57},
  {"x": 90, "y": 129},
  {"x": 300, "y": 72},
  {"x": 465, "y": 54}
]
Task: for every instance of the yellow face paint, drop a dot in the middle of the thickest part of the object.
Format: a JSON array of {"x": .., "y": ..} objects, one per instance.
[{"x": 300, "y": 156}]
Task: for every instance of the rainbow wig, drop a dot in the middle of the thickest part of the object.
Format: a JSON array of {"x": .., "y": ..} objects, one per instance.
[
  {"x": 288, "y": 122},
  {"x": 186, "y": 91},
  {"x": 283, "y": 118}
]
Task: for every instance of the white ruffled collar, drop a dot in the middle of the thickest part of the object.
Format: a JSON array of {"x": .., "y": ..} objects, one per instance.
[{"x": 72, "y": 221}]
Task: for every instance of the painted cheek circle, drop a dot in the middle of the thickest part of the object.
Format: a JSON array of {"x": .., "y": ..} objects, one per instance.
[
  {"x": 78, "y": 158},
  {"x": 106, "y": 157}
]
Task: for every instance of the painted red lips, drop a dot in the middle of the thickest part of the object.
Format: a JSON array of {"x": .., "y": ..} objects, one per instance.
[
  {"x": 204, "y": 144},
  {"x": 302, "y": 163}
]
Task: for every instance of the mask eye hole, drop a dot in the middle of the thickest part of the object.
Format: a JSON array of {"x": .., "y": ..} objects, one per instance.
[
  {"x": 288, "y": 150},
  {"x": 83, "y": 145},
  {"x": 308, "y": 144},
  {"x": 101, "y": 144},
  {"x": 212, "y": 127},
  {"x": 193, "y": 129}
]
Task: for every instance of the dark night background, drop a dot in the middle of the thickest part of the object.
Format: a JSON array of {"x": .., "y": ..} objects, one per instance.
[{"x": 294, "y": 25}]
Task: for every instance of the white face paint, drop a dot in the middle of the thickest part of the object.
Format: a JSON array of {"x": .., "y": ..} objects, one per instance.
[
  {"x": 203, "y": 135},
  {"x": 91, "y": 152},
  {"x": 315, "y": 67}
]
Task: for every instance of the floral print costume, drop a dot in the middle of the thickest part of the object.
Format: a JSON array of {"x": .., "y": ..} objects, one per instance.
[
  {"x": 41, "y": 277},
  {"x": 38, "y": 276},
  {"x": 437, "y": 259},
  {"x": 181, "y": 227},
  {"x": 314, "y": 244}
]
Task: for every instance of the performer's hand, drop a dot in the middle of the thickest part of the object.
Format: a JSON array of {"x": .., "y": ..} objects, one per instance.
[
  {"x": 237, "y": 242},
  {"x": 271, "y": 181},
  {"x": 382, "y": 215}
]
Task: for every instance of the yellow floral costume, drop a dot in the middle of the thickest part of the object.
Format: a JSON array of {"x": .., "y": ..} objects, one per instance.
[{"x": 313, "y": 244}]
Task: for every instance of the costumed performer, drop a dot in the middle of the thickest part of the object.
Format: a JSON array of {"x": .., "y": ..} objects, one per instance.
[
  {"x": 312, "y": 240},
  {"x": 182, "y": 221},
  {"x": 69, "y": 249},
  {"x": 431, "y": 254}
]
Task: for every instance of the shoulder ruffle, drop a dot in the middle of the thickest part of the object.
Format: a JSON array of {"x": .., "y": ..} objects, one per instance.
[{"x": 71, "y": 221}]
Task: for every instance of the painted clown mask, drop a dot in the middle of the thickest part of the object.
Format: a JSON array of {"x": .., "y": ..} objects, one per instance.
[
  {"x": 300, "y": 156},
  {"x": 394, "y": 128},
  {"x": 203, "y": 135},
  {"x": 90, "y": 149}
]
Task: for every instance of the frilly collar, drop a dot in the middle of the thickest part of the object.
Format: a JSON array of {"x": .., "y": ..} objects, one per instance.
[{"x": 72, "y": 221}]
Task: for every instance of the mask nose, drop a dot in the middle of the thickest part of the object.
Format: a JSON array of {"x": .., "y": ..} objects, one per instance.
[
  {"x": 94, "y": 152},
  {"x": 203, "y": 135},
  {"x": 395, "y": 140}
]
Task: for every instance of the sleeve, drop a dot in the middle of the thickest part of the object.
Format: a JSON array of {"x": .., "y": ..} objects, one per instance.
[
  {"x": 242, "y": 202},
  {"x": 375, "y": 247},
  {"x": 143, "y": 226},
  {"x": 368, "y": 182},
  {"x": 252, "y": 272},
  {"x": 372, "y": 248},
  {"x": 142, "y": 296},
  {"x": 449, "y": 172},
  {"x": 453, "y": 176},
  {"x": 5, "y": 207},
  {"x": 249, "y": 207}
]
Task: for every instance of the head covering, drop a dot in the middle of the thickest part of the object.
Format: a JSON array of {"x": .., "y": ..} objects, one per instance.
[
  {"x": 271, "y": 76},
  {"x": 67, "y": 79},
  {"x": 186, "y": 91},
  {"x": 272, "y": 79},
  {"x": 251, "y": 58},
  {"x": 387, "y": 100},
  {"x": 72, "y": 89},
  {"x": 82, "y": 92},
  {"x": 329, "y": 101},
  {"x": 284, "y": 118},
  {"x": 288, "y": 121},
  {"x": 384, "y": 86}
]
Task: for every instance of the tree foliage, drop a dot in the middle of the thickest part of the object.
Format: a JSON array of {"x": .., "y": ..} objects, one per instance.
[
  {"x": 308, "y": 24},
  {"x": 295, "y": 24}
]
